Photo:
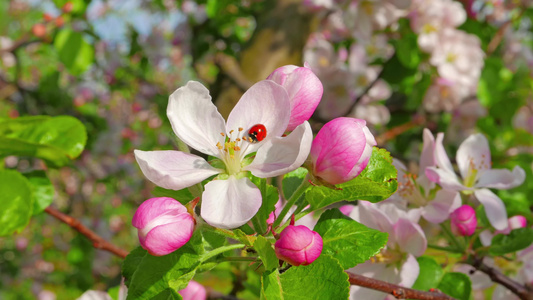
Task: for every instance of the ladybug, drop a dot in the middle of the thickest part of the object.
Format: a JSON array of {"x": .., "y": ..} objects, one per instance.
[{"x": 257, "y": 133}]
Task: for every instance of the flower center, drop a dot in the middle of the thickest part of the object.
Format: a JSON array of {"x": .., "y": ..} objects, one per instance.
[
  {"x": 232, "y": 151},
  {"x": 409, "y": 189}
]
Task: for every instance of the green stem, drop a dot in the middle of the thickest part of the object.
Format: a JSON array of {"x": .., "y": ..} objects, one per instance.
[
  {"x": 295, "y": 196},
  {"x": 217, "y": 251},
  {"x": 452, "y": 238},
  {"x": 448, "y": 249},
  {"x": 237, "y": 258},
  {"x": 220, "y": 231}
]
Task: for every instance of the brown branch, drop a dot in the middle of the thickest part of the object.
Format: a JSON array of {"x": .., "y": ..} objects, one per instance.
[
  {"x": 496, "y": 276},
  {"x": 98, "y": 241},
  {"x": 395, "y": 131},
  {"x": 498, "y": 37},
  {"x": 397, "y": 291}
]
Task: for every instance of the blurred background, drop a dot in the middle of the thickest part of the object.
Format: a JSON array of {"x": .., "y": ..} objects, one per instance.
[{"x": 112, "y": 64}]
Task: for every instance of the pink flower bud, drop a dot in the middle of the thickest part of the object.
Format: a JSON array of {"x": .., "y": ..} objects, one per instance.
[
  {"x": 304, "y": 89},
  {"x": 193, "y": 291},
  {"x": 163, "y": 224},
  {"x": 341, "y": 150},
  {"x": 514, "y": 223},
  {"x": 463, "y": 221},
  {"x": 298, "y": 245}
]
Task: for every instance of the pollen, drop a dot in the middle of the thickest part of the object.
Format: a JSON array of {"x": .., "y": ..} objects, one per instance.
[
  {"x": 241, "y": 129},
  {"x": 222, "y": 134}
]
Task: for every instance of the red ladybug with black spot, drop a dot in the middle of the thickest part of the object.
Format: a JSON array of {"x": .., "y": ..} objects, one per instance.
[{"x": 257, "y": 133}]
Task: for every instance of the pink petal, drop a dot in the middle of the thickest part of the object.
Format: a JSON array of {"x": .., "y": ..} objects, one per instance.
[
  {"x": 281, "y": 155},
  {"x": 474, "y": 153},
  {"x": 266, "y": 103},
  {"x": 501, "y": 179},
  {"x": 409, "y": 272},
  {"x": 230, "y": 203},
  {"x": 173, "y": 169},
  {"x": 410, "y": 237},
  {"x": 441, "y": 158},
  {"x": 165, "y": 239},
  {"x": 370, "y": 215},
  {"x": 448, "y": 180},
  {"x": 445, "y": 202},
  {"x": 193, "y": 291},
  {"x": 427, "y": 157},
  {"x": 195, "y": 119},
  {"x": 494, "y": 208}
]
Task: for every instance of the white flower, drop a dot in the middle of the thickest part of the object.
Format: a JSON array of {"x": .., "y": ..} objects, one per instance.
[{"x": 231, "y": 199}]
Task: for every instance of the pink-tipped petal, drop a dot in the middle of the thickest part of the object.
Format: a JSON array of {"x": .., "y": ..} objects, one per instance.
[
  {"x": 427, "y": 157},
  {"x": 516, "y": 222},
  {"x": 195, "y": 119},
  {"x": 494, "y": 208},
  {"x": 501, "y": 179},
  {"x": 305, "y": 91},
  {"x": 341, "y": 150},
  {"x": 193, "y": 291},
  {"x": 281, "y": 155},
  {"x": 438, "y": 210},
  {"x": 266, "y": 103},
  {"x": 474, "y": 152},
  {"x": 230, "y": 203},
  {"x": 441, "y": 158},
  {"x": 410, "y": 237},
  {"x": 173, "y": 169}
]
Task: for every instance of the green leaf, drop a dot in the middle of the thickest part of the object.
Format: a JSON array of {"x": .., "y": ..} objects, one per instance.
[
  {"x": 74, "y": 51},
  {"x": 407, "y": 50},
  {"x": 348, "y": 241},
  {"x": 160, "y": 276},
  {"x": 430, "y": 274},
  {"x": 184, "y": 196},
  {"x": 323, "y": 279},
  {"x": 131, "y": 262},
  {"x": 266, "y": 253},
  {"x": 17, "y": 202},
  {"x": 43, "y": 190},
  {"x": 54, "y": 139},
  {"x": 377, "y": 182},
  {"x": 457, "y": 285},
  {"x": 292, "y": 180},
  {"x": 517, "y": 239},
  {"x": 270, "y": 198}
]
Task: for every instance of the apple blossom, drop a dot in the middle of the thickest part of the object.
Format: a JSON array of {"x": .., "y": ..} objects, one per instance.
[
  {"x": 304, "y": 88},
  {"x": 193, "y": 291},
  {"x": 463, "y": 221},
  {"x": 341, "y": 150},
  {"x": 474, "y": 162},
  {"x": 396, "y": 263},
  {"x": 163, "y": 224},
  {"x": 298, "y": 245},
  {"x": 232, "y": 199}
]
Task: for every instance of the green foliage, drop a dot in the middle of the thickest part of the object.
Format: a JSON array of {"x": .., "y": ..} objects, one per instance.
[
  {"x": 430, "y": 274},
  {"x": 17, "y": 202},
  {"x": 270, "y": 197},
  {"x": 53, "y": 139},
  {"x": 184, "y": 196},
  {"x": 350, "y": 242},
  {"x": 377, "y": 182},
  {"x": 266, "y": 253},
  {"x": 323, "y": 279},
  {"x": 291, "y": 181},
  {"x": 43, "y": 190},
  {"x": 74, "y": 51},
  {"x": 518, "y": 239},
  {"x": 457, "y": 285}
]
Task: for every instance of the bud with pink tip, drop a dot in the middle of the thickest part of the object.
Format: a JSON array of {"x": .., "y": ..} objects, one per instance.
[
  {"x": 463, "y": 221},
  {"x": 298, "y": 245},
  {"x": 163, "y": 224},
  {"x": 341, "y": 150},
  {"x": 304, "y": 88},
  {"x": 193, "y": 291}
]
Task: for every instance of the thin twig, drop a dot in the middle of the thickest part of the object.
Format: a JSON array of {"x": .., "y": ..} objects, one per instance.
[
  {"x": 397, "y": 291},
  {"x": 395, "y": 131},
  {"x": 495, "y": 275},
  {"x": 98, "y": 241}
]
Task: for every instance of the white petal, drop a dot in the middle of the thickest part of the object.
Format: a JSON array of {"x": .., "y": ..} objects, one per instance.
[
  {"x": 441, "y": 158},
  {"x": 195, "y": 119},
  {"x": 474, "y": 152},
  {"x": 486, "y": 237},
  {"x": 230, "y": 203},
  {"x": 445, "y": 202},
  {"x": 494, "y": 208},
  {"x": 410, "y": 237},
  {"x": 370, "y": 215},
  {"x": 409, "y": 272},
  {"x": 267, "y": 103},
  {"x": 281, "y": 155},
  {"x": 173, "y": 169},
  {"x": 501, "y": 179},
  {"x": 427, "y": 157},
  {"x": 444, "y": 178}
]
